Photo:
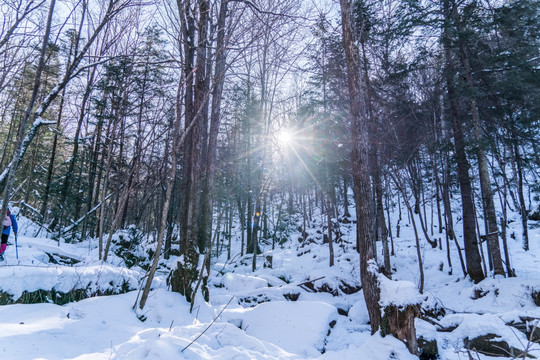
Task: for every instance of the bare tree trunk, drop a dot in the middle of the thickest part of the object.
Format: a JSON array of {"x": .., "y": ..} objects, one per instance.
[
  {"x": 304, "y": 219},
  {"x": 483, "y": 167},
  {"x": 188, "y": 38},
  {"x": 480, "y": 242},
  {"x": 103, "y": 208},
  {"x": 50, "y": 168},
  {"x": 254, "y": 238},
  {"x": 346, "y": 213},
  {"x": 437, "y": 193},
  {"x": 242, "y": 218},
  {"x": 330, "y": 231},
  {"x": 504, "y": 206},
  {"x": 393, "y": 253},
  {"x": 380, "y": 228},
  {"x": 522, "y": 204},
  {"x": 416, "y": 188},
  {"x": 205, "y": 229},
  {"x": 122, "y": 204},
  {"x": 359, "y": 157},
  {"x": 401, "y": 188},
  {"x": 472, "y": 254}
]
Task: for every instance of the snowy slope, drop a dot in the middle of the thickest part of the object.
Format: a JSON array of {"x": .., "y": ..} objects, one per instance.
[{"x": 251, "y": 315}]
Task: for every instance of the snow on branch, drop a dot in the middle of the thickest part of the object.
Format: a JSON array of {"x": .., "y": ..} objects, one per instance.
[
  {"x": 27, "y": 140},
  {"x": 94, "y": 209}
]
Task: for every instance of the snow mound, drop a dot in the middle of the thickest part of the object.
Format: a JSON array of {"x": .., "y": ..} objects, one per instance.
[
  {"x": 235, "y": 282},
  {"x": 297, "y": 327},
  {"x": 473, "y": 326},
  {"x": 400, "y": 293},
  {"x": 220, "y": 342},
  {"x": 374, "y": 348},
  {"x": 64, "y": 279},
  {"x": 359, "y": 312}
]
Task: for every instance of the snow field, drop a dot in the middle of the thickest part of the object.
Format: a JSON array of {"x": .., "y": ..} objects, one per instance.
[{"x": 259, "y": 322}]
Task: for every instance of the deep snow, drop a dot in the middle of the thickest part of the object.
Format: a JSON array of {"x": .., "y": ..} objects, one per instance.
[{"x": 256, "y": 318}]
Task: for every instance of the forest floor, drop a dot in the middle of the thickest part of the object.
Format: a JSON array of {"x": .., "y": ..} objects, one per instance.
[{"x": 297, "y": 308}]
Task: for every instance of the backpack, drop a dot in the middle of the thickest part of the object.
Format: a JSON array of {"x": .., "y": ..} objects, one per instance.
[{"x": 7, "y": 220}]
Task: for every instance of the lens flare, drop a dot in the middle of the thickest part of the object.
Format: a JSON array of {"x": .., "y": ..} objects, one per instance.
[{"x": 285, "y": 137}]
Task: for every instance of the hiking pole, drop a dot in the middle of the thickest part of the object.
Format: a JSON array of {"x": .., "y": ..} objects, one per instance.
[{"x": 16, "y": 247}]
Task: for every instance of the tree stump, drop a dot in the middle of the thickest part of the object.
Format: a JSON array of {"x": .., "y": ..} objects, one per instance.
[
  {"x": 181, "y": 280},
  {"x": 399, "y": 322},
  {"x": 268, "y": 261}
]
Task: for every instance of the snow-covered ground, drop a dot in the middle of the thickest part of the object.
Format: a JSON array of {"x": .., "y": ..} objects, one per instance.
[{"x": 267, "y": 314}]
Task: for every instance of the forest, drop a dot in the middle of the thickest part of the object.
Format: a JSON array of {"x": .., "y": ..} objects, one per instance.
[{"x": 219, "y": 130}]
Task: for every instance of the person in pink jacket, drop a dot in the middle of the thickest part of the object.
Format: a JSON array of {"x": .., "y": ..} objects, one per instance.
[{"x": 9, "y": 222}]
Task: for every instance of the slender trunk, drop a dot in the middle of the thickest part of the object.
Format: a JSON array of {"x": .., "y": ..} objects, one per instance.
[
  {"x": 122, "y": 204},
  {"x": 170, "y": 184},
  {"x": 32, "y": 171},
  {"x": 255, "y": 243},
  {"x": 229, "y": 232},
  {"x": 393, "y": 253},
  {"x": 438, "y": 194},
  {"x": 448, "y": 257},
  {"x": 480, "y": 242},
  {"x": 346, "y": 213},
  {"x": 50, "y": 168},
  {"x": 330, "y": 231},
  {"x": 396, "y": 178},
  {"x": 304, "y": 222},
  {"x": 522, "y": 205},
  {"x": 504, "y": 205},
  {"x": 103, "y": 208}
]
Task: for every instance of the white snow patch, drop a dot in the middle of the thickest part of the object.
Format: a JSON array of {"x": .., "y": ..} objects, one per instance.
[
  {"x": 298, "y": 327},
  {"x": 235, "y": 282},
  {"x": 400, "y": 293}
]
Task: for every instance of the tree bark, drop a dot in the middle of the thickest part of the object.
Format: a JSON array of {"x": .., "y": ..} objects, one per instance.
[
  {"x": 205, "y": 227},
  {"x": 360, "y": 161},
  {"x": 330, "y": 231},
  {"x": 490, "y": 216},
  {"x": 400, "y": 323},
  {"x": 472, "y": 255}
]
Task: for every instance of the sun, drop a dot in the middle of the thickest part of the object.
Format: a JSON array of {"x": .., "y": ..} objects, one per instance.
[{"x": 285, "y": 137}]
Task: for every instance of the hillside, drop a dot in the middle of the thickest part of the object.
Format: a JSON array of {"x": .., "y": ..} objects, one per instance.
[{"x": 299, "y": 308}]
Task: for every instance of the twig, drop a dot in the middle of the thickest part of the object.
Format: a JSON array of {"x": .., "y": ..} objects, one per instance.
[
  {"x": 311, "y": 281},
  {"x": 208, "y": 327}
]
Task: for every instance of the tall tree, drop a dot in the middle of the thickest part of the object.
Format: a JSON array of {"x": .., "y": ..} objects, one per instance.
[
  {"x": 360, "y": 171},
  {"x": 472, "y": 254}
]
